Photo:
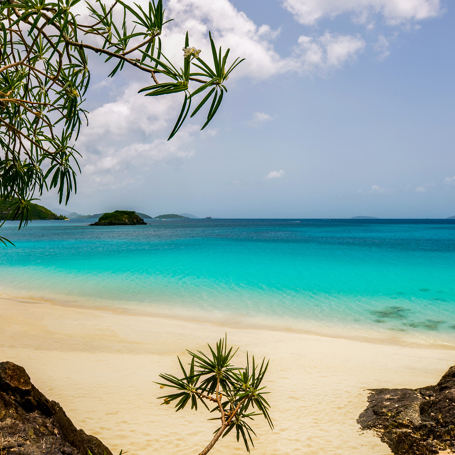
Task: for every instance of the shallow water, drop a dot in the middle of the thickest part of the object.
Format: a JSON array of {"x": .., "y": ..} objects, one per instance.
[{"x": 392, "y": 280}]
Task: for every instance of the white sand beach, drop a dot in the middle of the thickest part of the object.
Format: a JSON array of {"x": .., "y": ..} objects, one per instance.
[{"x": 101, "y": 368}]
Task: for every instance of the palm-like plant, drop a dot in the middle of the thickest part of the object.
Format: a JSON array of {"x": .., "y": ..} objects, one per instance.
[
  {"x": 237, "y": 394},
  {"x": 45, "y": 74}
]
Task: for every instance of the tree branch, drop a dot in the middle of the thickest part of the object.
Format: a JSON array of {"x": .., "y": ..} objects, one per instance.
[
  {"x": 218, "y": 399},
  {"x": 206, "y": 397}
]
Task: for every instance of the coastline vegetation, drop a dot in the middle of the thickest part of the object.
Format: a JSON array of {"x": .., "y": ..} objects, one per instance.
[{"x": 45, "y": 74}]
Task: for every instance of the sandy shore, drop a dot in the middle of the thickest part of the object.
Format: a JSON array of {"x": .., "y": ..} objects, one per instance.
[{"x": 101, "y": 366}]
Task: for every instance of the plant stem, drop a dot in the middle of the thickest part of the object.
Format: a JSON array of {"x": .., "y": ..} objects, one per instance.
[
  {"x": 224, "y": 425},
  {"x": 214, "y": 440},
  {"x": 223, "y": 420},
  {"x": 218, "y": 399}
]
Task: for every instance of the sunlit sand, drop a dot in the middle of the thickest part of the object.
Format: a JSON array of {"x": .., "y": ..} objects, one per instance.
[{"x": 101, "y": 368}]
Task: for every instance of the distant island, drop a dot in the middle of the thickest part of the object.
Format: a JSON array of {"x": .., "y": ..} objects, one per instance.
[
  {"x": 78, "y": 216},
  {"x": 364, "y": 218},
  {"x": 451, "y": 217},
  {"x": 171, "y": 216},
  {"x": 119, "y": 218},
  {"x": 37, "y": 212},
  {"x": 167, "y": 216}
]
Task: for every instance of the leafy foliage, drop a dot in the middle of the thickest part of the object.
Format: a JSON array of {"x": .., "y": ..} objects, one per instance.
[
  {"x": 237, "y": 394},
  {"x": 44, "y": 76}
]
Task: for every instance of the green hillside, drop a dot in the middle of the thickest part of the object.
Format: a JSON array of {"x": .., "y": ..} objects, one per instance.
[
  {"x": 143, "y": 215},
  {"x": 170, "y": 216},
  {"x": 37, "y": 212}
]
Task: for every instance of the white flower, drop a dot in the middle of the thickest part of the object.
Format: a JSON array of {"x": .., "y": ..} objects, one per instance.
[{"x": 189, "y": 52}]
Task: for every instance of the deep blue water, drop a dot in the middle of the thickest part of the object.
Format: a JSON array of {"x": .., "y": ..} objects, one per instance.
[{"x": 393, "y": 278}]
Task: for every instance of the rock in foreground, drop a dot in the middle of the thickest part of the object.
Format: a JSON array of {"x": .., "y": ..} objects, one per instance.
[
  {"x": 119, "y": 218},
  {"x": 30, "y": 424},
  {"x": 414, "y": 422}
]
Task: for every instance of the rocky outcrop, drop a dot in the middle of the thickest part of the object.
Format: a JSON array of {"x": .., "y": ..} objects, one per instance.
[
  {"x": 414, "y": 422},
  {"x": 31, "y": 424}
]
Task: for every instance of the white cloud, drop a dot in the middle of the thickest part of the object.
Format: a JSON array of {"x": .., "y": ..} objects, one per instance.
[
  {"x": 260, "y": 117},
  {"x": 326, "y": 52},
  {"x": 233, "y": 28},
  {"x": 139, "y": 155},
  {"x": 370, "y": 13},
  {"x": 111, "y": 167},
  {"x": 382, "y": 47},
  {"x": 376, "y": 189},
  {"x": 275, "y": 175},
  {"x": 424, "y": 188},
  {"x": 267, "y": 32},
  {"x": 309, "y": 12},
  {"x": 230, "y": 27},
  {"x": 129, "y": 135},
  {"x": 449, "y": 181},
  {"x": 130, "y": 112}
]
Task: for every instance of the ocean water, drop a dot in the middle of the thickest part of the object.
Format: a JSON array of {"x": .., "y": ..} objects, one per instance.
[{"x": 382, "y": 280}]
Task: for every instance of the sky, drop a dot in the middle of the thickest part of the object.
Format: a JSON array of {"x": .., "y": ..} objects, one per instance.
[{"x": 341, "y": 108}]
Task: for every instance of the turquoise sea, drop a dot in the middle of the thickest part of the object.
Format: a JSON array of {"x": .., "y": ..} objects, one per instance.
[{"x": 383, "y": 280}]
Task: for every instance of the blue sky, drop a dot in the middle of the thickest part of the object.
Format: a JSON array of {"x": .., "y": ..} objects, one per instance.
[{"x": 342, "y": 108}]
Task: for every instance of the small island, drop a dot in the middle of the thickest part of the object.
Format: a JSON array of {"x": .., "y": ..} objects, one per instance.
[
  {"x": 119, "y": 218},
  {"x": 171, "y": 216}
]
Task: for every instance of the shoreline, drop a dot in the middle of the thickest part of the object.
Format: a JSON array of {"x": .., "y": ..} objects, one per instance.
[
  {"x": 101, "y": 367},
  {"x": 358, "y": 333}
]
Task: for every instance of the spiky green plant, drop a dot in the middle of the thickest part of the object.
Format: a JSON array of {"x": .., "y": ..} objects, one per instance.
[
  {"x": 45, "y": 74},
  {"x": 235, "y": 393}
]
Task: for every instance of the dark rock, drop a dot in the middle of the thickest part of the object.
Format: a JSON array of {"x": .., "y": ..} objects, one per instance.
[
  {"x": 31, "y": 424},
  {"x": 414, "y": 422}
]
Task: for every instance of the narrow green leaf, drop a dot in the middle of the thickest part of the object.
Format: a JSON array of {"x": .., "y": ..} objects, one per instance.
[
  {"x": 182, "y": 116},
  {"x": 203, "y": 102},
  {"x": 214, "y": 108}
]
